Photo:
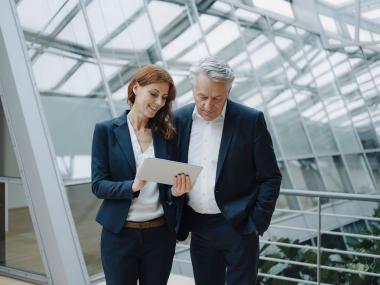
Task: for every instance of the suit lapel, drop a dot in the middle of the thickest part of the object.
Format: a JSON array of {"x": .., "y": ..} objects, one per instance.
[
  {"x": 124, "y": 139},
  {"x": 186, "y": 129},
  {"x": 227, "y": 134}
]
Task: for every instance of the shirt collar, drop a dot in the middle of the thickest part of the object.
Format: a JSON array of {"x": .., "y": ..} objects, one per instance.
[{"x": 196, "y": 115}]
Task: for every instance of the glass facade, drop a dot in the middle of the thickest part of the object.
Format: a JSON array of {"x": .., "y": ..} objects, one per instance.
[{"x": 319, "y": 96}]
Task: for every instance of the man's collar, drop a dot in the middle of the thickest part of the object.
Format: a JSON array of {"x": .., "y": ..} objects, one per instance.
[{"x": 221, "y": 116}]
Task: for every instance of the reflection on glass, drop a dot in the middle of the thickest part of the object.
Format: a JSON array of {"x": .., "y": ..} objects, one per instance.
[
  {"x": 341, "y": 124},
  {"x": 306, "y": 176},
  {"x": 285, "y": 182},
  {"x": 71, "y": 122},
  {"x": 284, "y": 113},
  {"x": 315, "y": 119},
  {"x": 286, "y": 201},
  {"x": 334, "y": 174},
  {"x": 359, "y": 173},
  {"x": 364, "y": 128},
  {"x": 108, "y": 16},
  {"x": 374, "y": 163},
  {"x": 8, "y": 162},
  {"x": 19, "y": 245},
  {"x": 84, "y": 206}
]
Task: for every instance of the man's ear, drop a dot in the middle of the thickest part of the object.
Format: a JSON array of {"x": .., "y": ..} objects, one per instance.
[{"x": 229, "y": 91}]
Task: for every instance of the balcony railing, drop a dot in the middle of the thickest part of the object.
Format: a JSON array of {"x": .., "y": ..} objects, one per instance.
[{"x": 287, "y": 221}]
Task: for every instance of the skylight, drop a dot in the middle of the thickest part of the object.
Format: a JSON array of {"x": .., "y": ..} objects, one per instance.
[
  {"x": 216, "y": 39},
  {"x": 277, "y": 6},
  {"x": 373, "y": 14},
  {"x": 328, "y": 24}
]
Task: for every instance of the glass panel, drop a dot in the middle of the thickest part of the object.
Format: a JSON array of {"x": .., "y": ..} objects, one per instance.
[
  {"x": 110, "y": 17},
  {"x": 306, "y": 176},
  {"x": 364, "y": 128},
  {"x": 49, "y": 15},
  {"x": 315, "y": 119},
  {"x": 8, "y": 162},
  {"x": 71, "y": 122},
  {"x": 341, "y": 124},
  {"x": 374, "y": 162},
  {"x": 195, "y": 46},
  {"x": 334, "y": 174},
  {"x": 286, "y": 201},
  {"x": 359, "y": 173},
  {"x": 285, "y": 183},
  {"x": 186, "y": 36},
  {"x": 337, "y": 113},
  {"x": 288, "y": 125},
  {"x": 75, "y": 32},
  {"x": 354, "y": 95},
  {"x": 276, "y": 6},
  {"x": 17, "y": 233},
  {"x": 118, "y": 26},
  {"x": 84, "y": 206}
]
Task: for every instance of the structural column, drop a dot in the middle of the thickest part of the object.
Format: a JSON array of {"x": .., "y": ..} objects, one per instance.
[{"x": 47, "y": 200}]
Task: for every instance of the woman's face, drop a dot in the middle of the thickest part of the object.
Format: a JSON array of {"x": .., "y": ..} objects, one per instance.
[{"x": 150, "y": 98}]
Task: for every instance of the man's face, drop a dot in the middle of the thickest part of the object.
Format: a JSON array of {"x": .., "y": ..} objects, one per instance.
[{"x": 210, "y": 96}]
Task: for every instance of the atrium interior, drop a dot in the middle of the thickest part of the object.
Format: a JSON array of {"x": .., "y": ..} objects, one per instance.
[{"x": 312, "y": 67}]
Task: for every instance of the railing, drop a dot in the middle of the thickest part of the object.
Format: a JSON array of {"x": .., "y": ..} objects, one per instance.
[{"x": 317, "y": 233}]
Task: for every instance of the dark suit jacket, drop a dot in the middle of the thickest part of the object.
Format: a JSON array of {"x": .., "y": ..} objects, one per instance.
[
  {"x": 114, "y": 169},
  {"x": 247, "y": 178}
]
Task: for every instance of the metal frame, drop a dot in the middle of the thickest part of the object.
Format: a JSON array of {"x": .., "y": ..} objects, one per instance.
[
  {"x": 192, "y": 12},
  {"x": 318, "y": 231},
  {"x": 46, "y": 197}
]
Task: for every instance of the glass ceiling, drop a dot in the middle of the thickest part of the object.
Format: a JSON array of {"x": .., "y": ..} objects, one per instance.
[
  {"x": 351, "y": 22},
  {"x": 91, "y": 54}
]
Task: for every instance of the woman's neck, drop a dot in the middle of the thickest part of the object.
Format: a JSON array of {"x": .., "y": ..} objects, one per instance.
[{"x": 137, "y": 119}]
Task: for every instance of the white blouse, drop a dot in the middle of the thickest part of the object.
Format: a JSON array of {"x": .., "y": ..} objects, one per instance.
[{"x": 147, "y": 205}]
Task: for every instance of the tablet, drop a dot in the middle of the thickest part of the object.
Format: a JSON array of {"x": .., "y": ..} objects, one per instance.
[{"x": 163, "y": 171}]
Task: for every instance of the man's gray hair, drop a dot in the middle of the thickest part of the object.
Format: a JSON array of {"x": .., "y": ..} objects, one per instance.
[{"x": 214, "y": 68}]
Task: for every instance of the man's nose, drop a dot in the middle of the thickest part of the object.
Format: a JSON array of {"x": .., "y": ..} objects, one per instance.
[{"x": 207, "y": 105}]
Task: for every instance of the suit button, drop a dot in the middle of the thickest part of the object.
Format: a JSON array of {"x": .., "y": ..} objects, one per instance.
[{"x": 216, "y": 191}]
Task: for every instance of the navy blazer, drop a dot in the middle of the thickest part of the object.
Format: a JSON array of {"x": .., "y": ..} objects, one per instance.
[
  {"x": 247, "y": 177},
  {"x": 113, "y": 168}
]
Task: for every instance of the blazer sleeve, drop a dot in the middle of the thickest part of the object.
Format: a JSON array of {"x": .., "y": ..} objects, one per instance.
[
  {"x": 268, "y": 176},
  {"x": 102, "y": 186}
]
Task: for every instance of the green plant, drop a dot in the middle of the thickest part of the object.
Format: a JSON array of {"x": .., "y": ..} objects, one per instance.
[{"x": 361, "y": 263}]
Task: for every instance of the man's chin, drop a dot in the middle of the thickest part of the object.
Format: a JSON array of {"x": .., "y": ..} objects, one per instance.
[{"x": 207, "y": 117}]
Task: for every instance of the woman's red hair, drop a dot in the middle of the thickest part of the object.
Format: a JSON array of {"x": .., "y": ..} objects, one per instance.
[{"x": 163, "y": 120}]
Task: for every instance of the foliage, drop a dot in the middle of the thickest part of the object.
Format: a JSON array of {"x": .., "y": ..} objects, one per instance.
[{"x": 347, "y": 261}]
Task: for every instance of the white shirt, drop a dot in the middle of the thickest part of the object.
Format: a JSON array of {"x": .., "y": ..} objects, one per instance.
[
  {"x": 147, "y": 205},
  {"x": 204, "y": 148}
]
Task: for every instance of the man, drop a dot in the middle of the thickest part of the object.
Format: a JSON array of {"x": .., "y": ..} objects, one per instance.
[{"x": 234, "y": 197}]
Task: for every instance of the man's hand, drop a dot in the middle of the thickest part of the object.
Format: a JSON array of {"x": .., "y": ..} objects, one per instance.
[
  {"x": 138, "y": 185},
  {"x": 181, "y": 185}
]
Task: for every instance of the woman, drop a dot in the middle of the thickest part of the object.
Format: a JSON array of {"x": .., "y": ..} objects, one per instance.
[{"x": 138, "y": 217}]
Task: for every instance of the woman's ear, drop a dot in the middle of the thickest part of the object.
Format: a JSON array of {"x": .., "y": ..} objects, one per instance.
[{"x": 135, "y": 88}]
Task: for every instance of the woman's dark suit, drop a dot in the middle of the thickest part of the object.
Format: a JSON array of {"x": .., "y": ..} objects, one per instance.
[{"x": 113, "y": 172}]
